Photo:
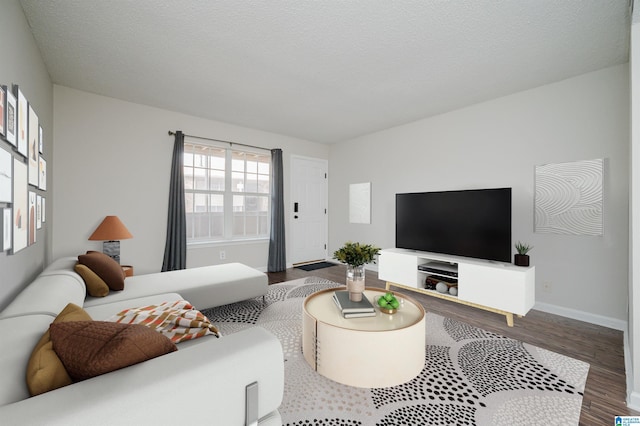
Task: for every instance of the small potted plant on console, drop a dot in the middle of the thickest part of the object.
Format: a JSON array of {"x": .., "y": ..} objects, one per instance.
[
  {"x": 356, "y": 255},
  {"x": 522, "y": 258}
]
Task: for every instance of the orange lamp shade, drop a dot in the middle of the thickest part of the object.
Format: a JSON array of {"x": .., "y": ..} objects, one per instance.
[{"x": 111, "y": 229}]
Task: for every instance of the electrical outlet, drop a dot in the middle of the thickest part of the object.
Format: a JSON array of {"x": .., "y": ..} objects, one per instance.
[
  {"x": 546, "y": 287},
  {"x": 223, "y": 255}
]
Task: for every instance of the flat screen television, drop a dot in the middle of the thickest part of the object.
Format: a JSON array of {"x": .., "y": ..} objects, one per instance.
[{"x": 471, "y": 223}]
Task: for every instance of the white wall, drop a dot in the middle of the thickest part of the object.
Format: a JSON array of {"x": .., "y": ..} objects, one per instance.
[
  {"x": 497, "y": 144},
  {"x": 632, "y": 344},
  {"x": 114, "y": 157},
  {"x": 22, "y": 64}
]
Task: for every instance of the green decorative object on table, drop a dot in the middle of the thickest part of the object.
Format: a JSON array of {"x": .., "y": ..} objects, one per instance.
[
  {"x": 356, "y": 255},
  {"x": 388, "y": 303}
]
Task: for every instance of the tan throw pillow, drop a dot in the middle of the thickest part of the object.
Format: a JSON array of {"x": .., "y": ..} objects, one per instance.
[
  {"x": 96, "y": 286},
  {"x": 90, "y": 348},
  {"x": 45, "y": 371},
  {"x": 105, "y": 267}
]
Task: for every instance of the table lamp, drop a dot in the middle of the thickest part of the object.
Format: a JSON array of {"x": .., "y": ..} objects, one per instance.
[{"x": 111, "y": 230}]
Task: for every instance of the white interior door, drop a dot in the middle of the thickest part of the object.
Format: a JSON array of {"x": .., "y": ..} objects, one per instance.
[{"x": 308, "y": 209}]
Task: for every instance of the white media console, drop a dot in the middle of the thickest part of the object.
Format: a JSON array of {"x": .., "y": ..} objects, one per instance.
[{"x": 497, "y": 287}]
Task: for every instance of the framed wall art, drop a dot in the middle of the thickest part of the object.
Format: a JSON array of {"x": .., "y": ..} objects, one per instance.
[
  {"x": 32, "y": 218},
  {"x": 5, "y": 229},
  {"x": 360, "y": 202},
  {"x": 21, "y": 124},
  {"x": 44, "y": 209},
  {"x": 38, "y": 212},
  {"x": 569, "y": 198},
  {"x": 20, "y": 204},
  {"x": 34, "y": 145},
  {"x": 3, "y": 109},
  {"x": 5, "y": 176},
  {"x": 10, "y": 122},
  {"x": 42, "y": 173},
  {"x": 41, "y": 141}
]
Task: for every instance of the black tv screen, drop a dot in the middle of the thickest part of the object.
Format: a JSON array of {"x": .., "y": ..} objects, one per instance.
[{"x": 470, "y": 223}]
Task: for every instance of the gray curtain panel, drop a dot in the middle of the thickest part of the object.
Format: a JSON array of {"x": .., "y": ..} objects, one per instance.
[
  {"x": 277, "y": 255},
  {"x": 175, "y": 249}
]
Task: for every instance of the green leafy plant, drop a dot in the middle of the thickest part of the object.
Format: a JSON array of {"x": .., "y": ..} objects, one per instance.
[
  {"x": 356, "y": 254},
  {"x": 523, "y": 248}
]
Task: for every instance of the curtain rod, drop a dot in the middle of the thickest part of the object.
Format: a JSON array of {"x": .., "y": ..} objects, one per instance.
[{"x": 223, "y": 141}]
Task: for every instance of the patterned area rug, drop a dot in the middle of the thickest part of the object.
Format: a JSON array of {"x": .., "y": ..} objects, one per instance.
[{"x": 471, "y": 376}]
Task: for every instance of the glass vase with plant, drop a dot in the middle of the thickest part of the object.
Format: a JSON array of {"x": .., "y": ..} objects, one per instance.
[{"x": 355, "y": 256}]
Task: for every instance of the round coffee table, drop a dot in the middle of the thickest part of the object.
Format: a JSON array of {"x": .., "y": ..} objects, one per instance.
[{"x": 371, "y": 352}]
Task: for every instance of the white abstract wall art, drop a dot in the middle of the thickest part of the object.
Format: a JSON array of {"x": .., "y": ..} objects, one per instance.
[
  {"x": 569, "y": 198},
  {"x": 360, "y": 202}
]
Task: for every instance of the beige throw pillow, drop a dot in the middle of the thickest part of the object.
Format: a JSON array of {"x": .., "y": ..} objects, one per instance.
[
  {"x": 45, "y": 371},
  {"x": 96, "y": 286}
]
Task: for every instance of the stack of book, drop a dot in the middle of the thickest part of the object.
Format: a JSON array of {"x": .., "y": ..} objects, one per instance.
[{"x": 350, "y": 309}]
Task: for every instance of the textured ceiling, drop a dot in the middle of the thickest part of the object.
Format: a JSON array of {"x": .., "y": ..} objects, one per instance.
[{"x": 326, "y": 70}]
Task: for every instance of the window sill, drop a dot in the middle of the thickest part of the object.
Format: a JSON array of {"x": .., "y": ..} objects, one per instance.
[{"x": 208, "y": 244}]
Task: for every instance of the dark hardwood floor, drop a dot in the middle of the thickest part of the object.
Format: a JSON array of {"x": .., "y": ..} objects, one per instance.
[{"x": 601, "y": 347}]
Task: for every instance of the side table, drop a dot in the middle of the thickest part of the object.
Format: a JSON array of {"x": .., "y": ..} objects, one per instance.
[{"x": 128, "y": 270}]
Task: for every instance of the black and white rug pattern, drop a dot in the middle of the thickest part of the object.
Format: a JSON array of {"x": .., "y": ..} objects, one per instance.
[{"x": 471, "y": 376}]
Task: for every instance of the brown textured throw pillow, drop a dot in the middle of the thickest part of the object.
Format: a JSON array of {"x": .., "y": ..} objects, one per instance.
[
  {"x": 105, "y": 267},
  {"x": 90, "y": 348},
  {"x": 96, "y": 286},
  {"x": 45, "y": 371}
]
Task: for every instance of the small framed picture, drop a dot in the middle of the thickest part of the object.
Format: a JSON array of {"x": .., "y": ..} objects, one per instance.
[
  {"x": 42, "y": 174},
  {"x": 5, "y": 229},
  {"x": 22, "y": 130},
  {"x": 3, "y": 111},
  {"x": 32, "y": 218},
  {"x": 10, "y": 122},
  {"x": 44, "y": 209},
  {"x": 38, "y": 211},
  {"x": 6, "y": 180},
  {"x": 33, "y": 147},
  {"x": 20, "y": 204},
  {"x": 41, "y": 141}
]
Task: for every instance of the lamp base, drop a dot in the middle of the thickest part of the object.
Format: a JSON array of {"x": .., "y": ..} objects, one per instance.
[{"x": 112, "y": 249}]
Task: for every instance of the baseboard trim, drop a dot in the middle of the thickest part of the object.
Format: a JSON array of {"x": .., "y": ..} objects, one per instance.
[
  {"x": 633, "y": 402},
  {"x": 601, "y": 320},
  {"x": 633, "y": 398},
  {"x": 265, "y": 269}
]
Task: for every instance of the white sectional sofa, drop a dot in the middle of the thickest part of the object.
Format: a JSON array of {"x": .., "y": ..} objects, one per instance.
[{"x": 236, "y": 379}]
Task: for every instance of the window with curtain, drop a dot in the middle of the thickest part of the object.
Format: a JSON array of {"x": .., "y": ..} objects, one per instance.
[{"x": 227, "y": 193}]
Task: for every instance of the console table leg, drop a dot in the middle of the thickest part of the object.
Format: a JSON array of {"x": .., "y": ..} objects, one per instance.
[{"x": 509, "y": 319}]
